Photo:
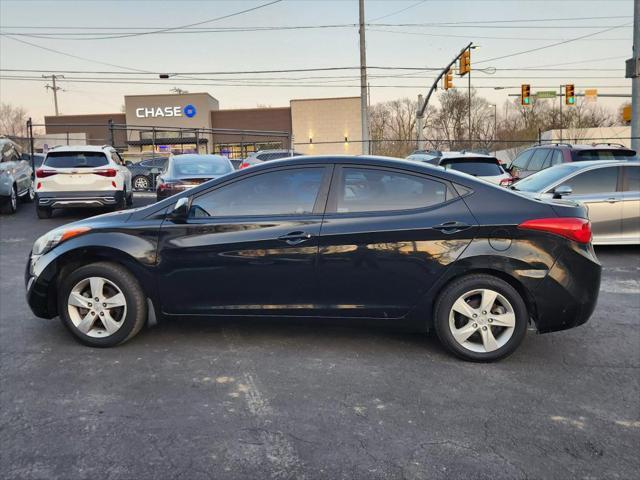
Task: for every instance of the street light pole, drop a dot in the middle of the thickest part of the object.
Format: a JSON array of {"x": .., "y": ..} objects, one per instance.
[{"x": 363, "y": 85}]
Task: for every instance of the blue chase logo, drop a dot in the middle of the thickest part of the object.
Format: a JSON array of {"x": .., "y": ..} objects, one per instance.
[{"x": 189, "y": 111}]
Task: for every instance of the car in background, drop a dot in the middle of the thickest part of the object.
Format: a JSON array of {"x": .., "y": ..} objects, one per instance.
[
  {"x": 342, "y": 237},
  {"x": 265, "y": 155},
  {"x": 485, "y": 167},
  {"x": 16, "y": 179},
  {"x": 145, "y": 172},
  {"x": 190, "y": 170},
  {"x": 426, "y": 156},
  {"x": 82, "y": 176},
  {"x": 538, "y": 158},
  {"x": 38, "y": 158},
  {"x": 609, "y": 189}
]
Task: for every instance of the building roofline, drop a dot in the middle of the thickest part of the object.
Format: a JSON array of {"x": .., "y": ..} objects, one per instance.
[
  {"x": 249, "y": 109},
  {"x": 171, "y": 95},
  {"x": 320, "y": 99}
]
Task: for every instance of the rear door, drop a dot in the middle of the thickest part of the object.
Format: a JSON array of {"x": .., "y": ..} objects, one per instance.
[
  {"x": 597, "y": 188},
  {"x": 631, "y": 204},
  {"x": 387, "y": 235}
]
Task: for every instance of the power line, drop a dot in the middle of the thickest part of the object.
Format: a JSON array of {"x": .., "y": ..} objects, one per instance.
[{"x": 398, "y": 11}]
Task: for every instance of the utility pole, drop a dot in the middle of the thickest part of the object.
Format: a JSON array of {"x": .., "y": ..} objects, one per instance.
[
  {"x": 634, "y": 74},
  {"x": 420, "y": 125},
  {"x": 54, "y": 88},
  {"x": 364, "y": 113}
]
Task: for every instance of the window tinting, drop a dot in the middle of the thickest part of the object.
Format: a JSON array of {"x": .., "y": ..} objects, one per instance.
[
  {"x": 522, "y": 159},
  {"x": 556, "y": 157},
  {"x": 600, "y": 180},
  {"x": 543, "y": 179},
  {"x": 200, "y": 166},
  {"x": 603, "y": 154},
  {"x": 477, "y": 168},
  {"x": 76, "y": 160},
  {"x": 537, "y": 160},
  {"x": 368, "y": 190},
  {"x": 632, "y": 179},
  {"x": 284, "y": 192}
]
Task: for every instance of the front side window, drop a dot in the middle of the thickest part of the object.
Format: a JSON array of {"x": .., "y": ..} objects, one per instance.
[
  {"x": 76, "y": 160},
  {"x": 521, "y": 160},
  {"x": 600, "y": 180},
  {"x": 283, "y": 192},
  {"x": 370, "y": 190},
  {"x": 537, "y": 160}
]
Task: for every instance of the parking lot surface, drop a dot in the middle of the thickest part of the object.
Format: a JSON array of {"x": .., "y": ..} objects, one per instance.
[{"x": 303, "y": 399}]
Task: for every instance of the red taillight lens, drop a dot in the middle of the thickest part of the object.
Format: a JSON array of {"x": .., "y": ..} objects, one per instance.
[
  {"x": 244, "y": 165},
  {"x": 109, "y": 172},
  {"x": 505, "y": 182},
  {"x": 577, "y": 229},
  {"x": 42, "y": 173}
]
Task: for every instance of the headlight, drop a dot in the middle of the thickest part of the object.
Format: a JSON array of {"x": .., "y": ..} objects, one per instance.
[{"x": 56, "y": 237}]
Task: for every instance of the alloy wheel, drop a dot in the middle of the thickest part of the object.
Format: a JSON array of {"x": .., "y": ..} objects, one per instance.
[
  {"x": 141, "y": 183},
  {"x": 482, "y": 320},
  {"x": 97, "y": 307}
]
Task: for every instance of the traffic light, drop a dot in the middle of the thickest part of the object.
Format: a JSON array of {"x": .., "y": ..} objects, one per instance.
[
  {"x": 569, "y": 94},
  {"x": 448, "y": 80},
  {"x": 525, "y": 95},
  {"x": 465, "y": 63}
]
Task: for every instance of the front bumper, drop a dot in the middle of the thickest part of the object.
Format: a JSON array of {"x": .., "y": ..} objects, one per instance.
[
  {"x": 38, "y": 285},
  {"x": 79, "y": 199},
  {"x": 568, "y": 295}
]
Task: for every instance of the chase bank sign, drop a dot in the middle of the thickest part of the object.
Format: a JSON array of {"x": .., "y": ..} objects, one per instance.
[{"x": 188, "y": 111}]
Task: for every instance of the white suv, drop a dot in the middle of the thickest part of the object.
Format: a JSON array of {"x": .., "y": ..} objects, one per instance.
[{"x": 82, "y": 176}]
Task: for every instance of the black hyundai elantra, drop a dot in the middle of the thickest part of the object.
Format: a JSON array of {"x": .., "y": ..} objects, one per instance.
[{"x": 335, "y": 237}]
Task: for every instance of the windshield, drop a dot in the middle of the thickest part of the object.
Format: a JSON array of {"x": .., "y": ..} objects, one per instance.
[
  {"x": 603, "y": 154},
  {"x": 201, "y": 166},
  {"x": 76, "y": 159},
  {"x": 543, "y": 179},
  {"x": 478, "y": 168}
]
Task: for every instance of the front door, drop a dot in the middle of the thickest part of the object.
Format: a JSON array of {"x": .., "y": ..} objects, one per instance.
[
  {"x": 248, "y": 246},
  {"x": 387, "y": 236}
]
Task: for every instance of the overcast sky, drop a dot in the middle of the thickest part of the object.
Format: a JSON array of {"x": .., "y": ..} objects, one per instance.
[{"x": 398, "y": 46}]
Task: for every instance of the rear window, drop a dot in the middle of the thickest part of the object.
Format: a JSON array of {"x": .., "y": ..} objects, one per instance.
[
  {"x": 538, "y": 182},
  {"x": 604, "y": 154},
  {"x": 200, "y": 167},
  {"x": 478, "y": 168},
  {"x": 76, "y": 159}
]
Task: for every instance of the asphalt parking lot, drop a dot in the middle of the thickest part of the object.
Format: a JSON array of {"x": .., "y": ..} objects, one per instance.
[{"x": 247, "y": 399}]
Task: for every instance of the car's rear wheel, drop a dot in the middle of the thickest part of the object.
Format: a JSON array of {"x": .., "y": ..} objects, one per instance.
[
  {"x": 102, "y": 304},
  {"x": 141, "y": 183},
  {"x": 44, "y": 212},
  {"x": 29, "y": 195},
  {"x": 480, "y": 318},
  {"x": 10, "y": 204},
  {"x": 122, "y": 201}
]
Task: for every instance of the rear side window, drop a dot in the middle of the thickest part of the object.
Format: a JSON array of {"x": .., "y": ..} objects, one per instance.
[
  {"x": 631, "y": 179},
  {"x": 479, "y": 168},
  {"x": 537, "y": 160},
  {"x": 600, "y": 180},
  {"x": 372, "y": 190},
  {"x": 604, "y": 154},
  {"x": 76, "y": 160}
]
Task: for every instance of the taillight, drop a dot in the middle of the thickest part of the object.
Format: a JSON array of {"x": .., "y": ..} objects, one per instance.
[
  {"x": 577, "y": 229},
  {"x": 43, "y": 173},
  {"x": 244, "y": 165},
  {"x": 505, "y": 182},
  {"x": 109, "y": 172}
]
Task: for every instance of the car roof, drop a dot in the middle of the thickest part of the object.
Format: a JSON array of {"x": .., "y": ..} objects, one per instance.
[
  {"x": 80, "y": 148},
  {"x": 597, "y": 163},
  {"x": 580, "y": 146}
]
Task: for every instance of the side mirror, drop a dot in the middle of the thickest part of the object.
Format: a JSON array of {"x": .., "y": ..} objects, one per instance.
[
  {"x": 128, "y": 163},
  {"x": 561, "y": 191},
  {"x": 181, "y": 209}
]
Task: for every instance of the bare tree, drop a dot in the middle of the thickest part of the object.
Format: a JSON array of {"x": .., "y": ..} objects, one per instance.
[{"x": 13, "y": 120}]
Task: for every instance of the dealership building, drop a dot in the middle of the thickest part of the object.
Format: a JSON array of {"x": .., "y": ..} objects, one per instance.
[{"x": 190, "y": 122}]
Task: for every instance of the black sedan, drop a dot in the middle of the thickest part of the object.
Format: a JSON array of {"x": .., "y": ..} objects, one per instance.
[
  {"x": 145, "y": 172},
  {"x": 190, "y": 170},
  {"x": 348, "y": 238}
]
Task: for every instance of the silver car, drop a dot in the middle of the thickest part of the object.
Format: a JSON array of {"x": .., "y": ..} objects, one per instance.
[
  {"x": 609, "y": 189},
  {"x": 16, "y": 181}
]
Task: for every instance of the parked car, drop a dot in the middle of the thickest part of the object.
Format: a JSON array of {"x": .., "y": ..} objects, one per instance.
[
  {"x": 16, "y": 179},
  {"x": 266, "y": 155},
  {"x": 82, "y": 176},
  {"x": 341, "y": 237},
  {"x": 485, "y": 167},
  {"x": 609, "y": 189},
  {"x": 427, "y": 156},
  {"x": 38, "y": 158},
  {"x": 145, "y": 172},
  {"x": 187, "y": 171},
  {"x": 538, "y": 158}
]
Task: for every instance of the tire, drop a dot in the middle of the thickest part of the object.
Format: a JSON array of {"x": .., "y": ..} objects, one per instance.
[
  {"x": 84, "y": 317},
  {"x": 29, "y": 196},
  {"x": 44, "y": 212},
  {"x": 10, "y": 204},
  {"x": 130, "y": 199},
  {"x": 122, "y": 203},
  {"x": 141, "y": 182},
  {"x": 495, "y": 332}
]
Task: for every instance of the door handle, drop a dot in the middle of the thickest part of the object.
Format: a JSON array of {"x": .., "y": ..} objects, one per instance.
[
  {"x": 451, "y": 227},
  {"x": 612, "y": 200},
  {"x": 295, "y": 238}
]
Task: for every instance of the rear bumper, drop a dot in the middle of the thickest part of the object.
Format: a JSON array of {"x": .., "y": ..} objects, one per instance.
[
  {"x": 79, "y": 199},
  {"x": 568, "y": 295}
]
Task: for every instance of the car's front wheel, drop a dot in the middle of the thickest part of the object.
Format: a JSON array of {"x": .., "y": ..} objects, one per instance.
[
  {"x": 10, "y": 204},
  {"x": 102, "y": 304},
  {"x": 480, "y": 318},
  {"x": 141, "y": 183}
]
